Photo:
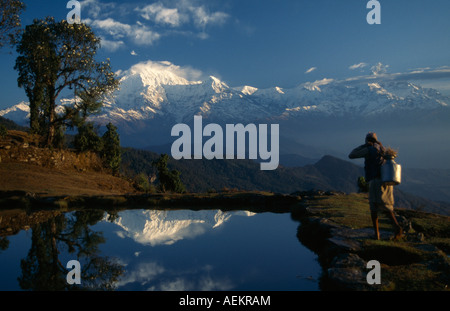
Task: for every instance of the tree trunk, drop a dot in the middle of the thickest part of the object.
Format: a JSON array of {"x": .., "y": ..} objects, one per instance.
[
  {"x": 51, "y": 116},
  {"x": 35, "y": 104}
]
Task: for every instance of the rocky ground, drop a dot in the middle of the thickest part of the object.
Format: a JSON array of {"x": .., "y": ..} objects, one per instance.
[{"x": 338, "y": 228}]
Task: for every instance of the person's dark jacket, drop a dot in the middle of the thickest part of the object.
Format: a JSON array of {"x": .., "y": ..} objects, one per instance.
[{"x": 373, "y": 154}]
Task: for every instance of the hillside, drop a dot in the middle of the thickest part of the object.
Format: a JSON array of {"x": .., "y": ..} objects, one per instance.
[
  {"x": 45, "y": 172},
  {"x": 212, "y": 175},
  {"x": 327, "y": 174},
  {"x": 45, "y": 181}
]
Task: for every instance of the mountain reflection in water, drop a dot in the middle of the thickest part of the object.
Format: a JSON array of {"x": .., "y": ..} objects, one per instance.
[
  {"x": 158, "y": 227},
  {"x": 155, "y": 250}
]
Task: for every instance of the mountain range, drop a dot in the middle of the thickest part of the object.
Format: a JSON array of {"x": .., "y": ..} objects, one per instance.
[{"x": 325, "y": 116}]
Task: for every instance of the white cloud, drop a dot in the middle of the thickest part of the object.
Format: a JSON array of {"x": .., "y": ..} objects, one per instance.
[
  {"x": 143, "y": 273},
  {"x": 357, "y": 66},
  {"x": 144, "y": 36},
  {"x": 161, "y": 15},
  {"x": 310, "y": 69},
  {"x": 186, "y": 72},
  {"x": 379, "y": 69},
  {"x": 133, "y": 53},
  {"x": 315, "y": 86},
  {"x": 139, "y": 33},
  {"x": 162, "y": 18},
  {"x": 111, "y": 45},
  {"x": 438, "y": 78},
  {"x": 112, "y": 27},
  {"x": 202, "y": 18},
  {"x": 96, "y": 9},
  {"x": 181, "y": 13}
]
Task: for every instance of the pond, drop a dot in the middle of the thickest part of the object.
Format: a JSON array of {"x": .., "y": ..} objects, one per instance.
[{"x": 157, "y": 250}]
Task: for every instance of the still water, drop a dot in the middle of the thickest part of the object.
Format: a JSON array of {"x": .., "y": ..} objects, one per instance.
[{"x": 159, "y": 250}]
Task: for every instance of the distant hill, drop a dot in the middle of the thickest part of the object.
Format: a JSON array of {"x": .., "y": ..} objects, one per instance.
[
  {"x": 327, "y": 174},
  {"x": 429, "y": 183},
  {"x": 207, "y": 175},
  {"x": 11, "y": 125}
]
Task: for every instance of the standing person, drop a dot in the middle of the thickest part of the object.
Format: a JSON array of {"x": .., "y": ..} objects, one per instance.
[{"x": 381, "y": 197}]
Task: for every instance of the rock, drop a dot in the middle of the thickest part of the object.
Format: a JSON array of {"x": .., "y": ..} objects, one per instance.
[
  {"x": 404, "y": 223},
  {"x": 346, "y": 260},
  {"x": 420, "y": 237},
  {"x": 346, "y": 245},
  {"x": 348, "y": 271},
  {"x": 350, "y": 278}
]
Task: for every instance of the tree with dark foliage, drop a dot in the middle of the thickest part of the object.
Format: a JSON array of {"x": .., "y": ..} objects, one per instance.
[
  {"x": 111, "y": 153},
  {"x": 10, "y": 24},
  {"x": 168, "y": 180},
  {"x": 55, "y": 56}
]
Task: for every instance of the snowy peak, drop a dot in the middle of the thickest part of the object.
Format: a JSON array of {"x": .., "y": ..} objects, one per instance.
[
  {"x": 315, "y": 86},
  {"x": 16, "y": 111},
  {"x": 246, "y": 90},
  {"x": 156, "y": 74},
  {"x": 152, "y": 227},
  {"x": 217, "y": 85}
]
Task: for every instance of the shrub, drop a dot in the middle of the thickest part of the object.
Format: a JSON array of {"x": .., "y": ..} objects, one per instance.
[
  {"x": 362, "y": 185},
  {"x": 142, "y": 182},
  {"x": 87, "y": 139},
  {"x": 168, "y": 180},
  {"x": 111, "y": 154},
  {"x": 3, "y": 131}
]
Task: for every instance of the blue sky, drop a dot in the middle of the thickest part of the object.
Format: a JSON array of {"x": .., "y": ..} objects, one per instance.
[{"x": 261, "y": 43}]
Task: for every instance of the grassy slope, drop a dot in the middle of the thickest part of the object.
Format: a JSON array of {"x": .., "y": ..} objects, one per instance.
[{"x": 52, "y": 182}]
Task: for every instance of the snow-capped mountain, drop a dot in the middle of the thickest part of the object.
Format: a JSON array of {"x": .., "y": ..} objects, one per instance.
[
  {"x": 167, "y": 227},
  {"x": 154, "y": 96}
]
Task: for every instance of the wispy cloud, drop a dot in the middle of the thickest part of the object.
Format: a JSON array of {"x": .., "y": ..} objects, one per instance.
[
  {"x": 187, "y": 72},
  {"x": 379, "y": 69},
  {"x": 144, "y": 272},
  {"x": 358, "y": 66},
  {"x": 184, "y": 13},
  {"x": 310, "y": 70},
  {"x": 161, "y": 15},
  {"x": 96, "y": 9},
  {"x": 203, "y": 18},
  {"x": 138, "y": 33},
  {"x": 146, "y": 24},
  {"x": 434, "y": 78},
  {"x": 111, "y": 45}
]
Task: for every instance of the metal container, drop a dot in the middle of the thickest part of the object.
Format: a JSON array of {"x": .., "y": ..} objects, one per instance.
[{"x": 391, "y": 172}]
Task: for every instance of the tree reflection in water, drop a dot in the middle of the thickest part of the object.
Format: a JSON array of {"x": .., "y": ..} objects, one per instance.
[{"x": 42, "y": 269}]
